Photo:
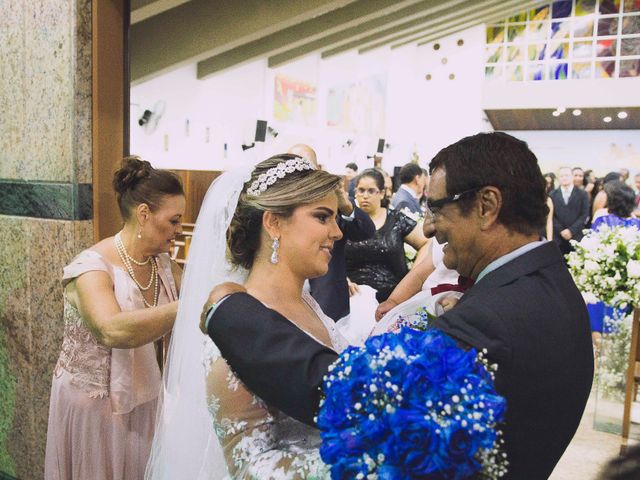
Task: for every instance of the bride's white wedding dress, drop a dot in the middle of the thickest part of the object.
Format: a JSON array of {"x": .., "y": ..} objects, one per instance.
[{"x": 259, "y": 442}]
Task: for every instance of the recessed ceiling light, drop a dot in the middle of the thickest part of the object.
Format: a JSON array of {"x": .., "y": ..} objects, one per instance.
[
  {"x": 607, "y": 119},
  {"x": 577, "y": 112},
  {"x": 561, "y": 109},
  {"x": 556, "y": 113},
  {"x": 622, "y": 115}
]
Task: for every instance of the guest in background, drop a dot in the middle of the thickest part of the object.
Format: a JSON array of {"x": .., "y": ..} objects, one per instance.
[
  {"x": 388, "y": 188},
  {"x": 119, "y": 297},
  {"x": 306, "y": 152},
  {"x": 350, "y": 172},
  {"x": 600, "y": 200},
  {"x": 380, "y": 261},
  {"x": 550, "y": 179},
  {"x": 570, "y": 211},
  {"x": 408, "y": 196},
  {"x": 625, "y": 466},
  {"x": 624, "y": 173},
  {"x": 578, "y": 177},
  {"x": 620, "y": 203}
]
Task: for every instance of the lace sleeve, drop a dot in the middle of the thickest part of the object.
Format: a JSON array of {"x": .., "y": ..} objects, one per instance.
[{"x": 258, "y": 443}]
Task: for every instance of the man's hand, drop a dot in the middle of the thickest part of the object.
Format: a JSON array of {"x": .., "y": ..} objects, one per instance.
[
  {"x": 566, "y": 234},
  {"x": 383, "y": 308},
  {"x": 345, "y": 207},
  {"x": 219, "y": 292}
]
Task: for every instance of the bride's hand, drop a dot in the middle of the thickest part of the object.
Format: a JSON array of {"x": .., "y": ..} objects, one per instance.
[
  {"x": 383, "y": 308},
  {"x": 353, "y": 288},
  {"x": 218, "y": 293}
]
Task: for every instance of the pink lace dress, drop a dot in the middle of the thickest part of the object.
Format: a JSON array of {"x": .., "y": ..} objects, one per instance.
[{"x": 103, "y": 400}]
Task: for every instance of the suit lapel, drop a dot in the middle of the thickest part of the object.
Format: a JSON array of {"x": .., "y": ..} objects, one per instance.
[{"x": 540, "y": 257}]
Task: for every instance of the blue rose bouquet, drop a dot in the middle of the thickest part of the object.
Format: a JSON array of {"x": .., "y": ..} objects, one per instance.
[{"x": 411, "y": 405}]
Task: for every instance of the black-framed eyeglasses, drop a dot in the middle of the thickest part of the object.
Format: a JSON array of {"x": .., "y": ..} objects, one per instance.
[{"x": 434, "y": 206}]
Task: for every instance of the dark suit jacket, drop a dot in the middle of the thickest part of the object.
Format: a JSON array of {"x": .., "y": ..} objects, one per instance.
[
  {"x": 403, "y": 199},
  {"x": 531, "y": 318},
  {"x": 572, "y": 215},
  {"x": 331, "y": 290},
  {"x": 528, "y": 314}
]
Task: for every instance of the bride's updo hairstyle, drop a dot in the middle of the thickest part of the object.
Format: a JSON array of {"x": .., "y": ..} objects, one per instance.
[
  {"x": 294, "y": 189},
  {"x": 138, "y": 182}
]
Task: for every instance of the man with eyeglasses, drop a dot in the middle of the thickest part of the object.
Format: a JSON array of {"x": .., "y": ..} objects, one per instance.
[{"x": 487, "y": 205}]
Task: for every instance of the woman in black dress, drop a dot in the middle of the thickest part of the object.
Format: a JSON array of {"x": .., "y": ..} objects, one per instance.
[{"x": 379, "y": 261}]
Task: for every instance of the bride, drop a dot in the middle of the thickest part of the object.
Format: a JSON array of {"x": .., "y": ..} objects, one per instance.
[{"x": 270, "y": 230}]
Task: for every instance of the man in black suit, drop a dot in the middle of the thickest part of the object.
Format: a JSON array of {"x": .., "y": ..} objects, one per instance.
[
  {"x": 570, "y": 211},
  {"x": 487, "y": 203},
  {"x": 408, "y": 195}
]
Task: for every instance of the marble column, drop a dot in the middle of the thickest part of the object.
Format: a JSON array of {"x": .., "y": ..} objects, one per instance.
[{"x": 45, "y": 206}]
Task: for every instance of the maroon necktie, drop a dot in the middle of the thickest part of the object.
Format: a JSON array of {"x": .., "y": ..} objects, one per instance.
[{"x": 463, "y": 284}]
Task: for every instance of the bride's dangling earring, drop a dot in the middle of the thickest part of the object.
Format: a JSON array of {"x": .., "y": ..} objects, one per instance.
[
  {"x": 274, "y": 254},
  {"x": 139, "y": 234}
]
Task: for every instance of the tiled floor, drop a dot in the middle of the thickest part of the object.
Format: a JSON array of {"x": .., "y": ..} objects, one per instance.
[{"x": 588, "y": 452}]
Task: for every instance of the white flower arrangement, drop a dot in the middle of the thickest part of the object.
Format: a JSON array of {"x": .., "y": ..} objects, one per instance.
[{"x": 606, "y": 266}]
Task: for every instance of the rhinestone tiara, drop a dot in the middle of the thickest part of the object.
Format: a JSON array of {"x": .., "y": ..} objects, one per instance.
[{"x": 269, "y": 177}]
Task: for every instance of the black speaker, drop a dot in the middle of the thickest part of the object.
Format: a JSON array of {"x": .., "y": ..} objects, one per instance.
[
  {"x": 380, "y": 145},
  {"x": 261, "y": 130}
]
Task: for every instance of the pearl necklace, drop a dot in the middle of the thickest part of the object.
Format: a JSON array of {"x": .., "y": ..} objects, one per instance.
[{"x": 153, "y": 280}]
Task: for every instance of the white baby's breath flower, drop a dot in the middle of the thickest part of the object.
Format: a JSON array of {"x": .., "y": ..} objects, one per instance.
[{"x": 633, "y": 268}]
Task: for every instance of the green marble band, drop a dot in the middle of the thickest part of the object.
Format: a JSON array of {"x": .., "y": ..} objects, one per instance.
[{"x": 59, "y": 201}]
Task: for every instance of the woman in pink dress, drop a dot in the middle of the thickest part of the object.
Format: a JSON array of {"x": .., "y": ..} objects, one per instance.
[{"x": 119, "y": 297}]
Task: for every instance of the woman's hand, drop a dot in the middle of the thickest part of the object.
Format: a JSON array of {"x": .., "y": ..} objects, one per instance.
[
  {"x": 218, "y": 293},
  {"x": 353, "y": 288},
  {"x": 383, "y": 308}
]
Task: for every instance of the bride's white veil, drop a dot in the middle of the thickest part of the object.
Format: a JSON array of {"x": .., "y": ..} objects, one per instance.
[{"x": 185, "y": 445}]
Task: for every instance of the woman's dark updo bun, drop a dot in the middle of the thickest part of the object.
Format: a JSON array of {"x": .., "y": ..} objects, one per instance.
[
  {"x": 282, "y": 198},
  {"x": 138, "y": 182}
]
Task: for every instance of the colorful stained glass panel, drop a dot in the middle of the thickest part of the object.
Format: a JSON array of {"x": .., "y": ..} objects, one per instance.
[
  {"x": 558, "y": 71},
  {"x": 561, "y": 8},
  {"x": 609, "y": 6},
  {"x": 516, "y": 33},
  {"x": 607, "y": 26},
  {"x": 585, "y": 7},
  {"x": 581, "y": 70},
  {"x": 630, "y": 68},
  {"x": 537, "y": 31},
  {"x": 535, "y": 71},
  {"x": 536, "y": 51},
  {"x": 560, "y": 29},
  {"x": 606, "y": 47},
  {"x": 515, "y": 53},
  {"x": 514, "y": 72},
  {"x": 605, "y": 69},
  {"x": 519, "y": 18},
  {"x": 582, "y": 49},
  {"x": 493, "y": 72},
  {"x": 631, "y": 24},
  {"x": 559, "y": 50},
  {"x": 630, "y": 47},
  {"x": 494, "y": 54},
  {"x": 583, "y": 27},
  {"x": 540, "y": 13},
  {"x": 632, "y": 5},
  {"x": 495, "y": 34}
]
